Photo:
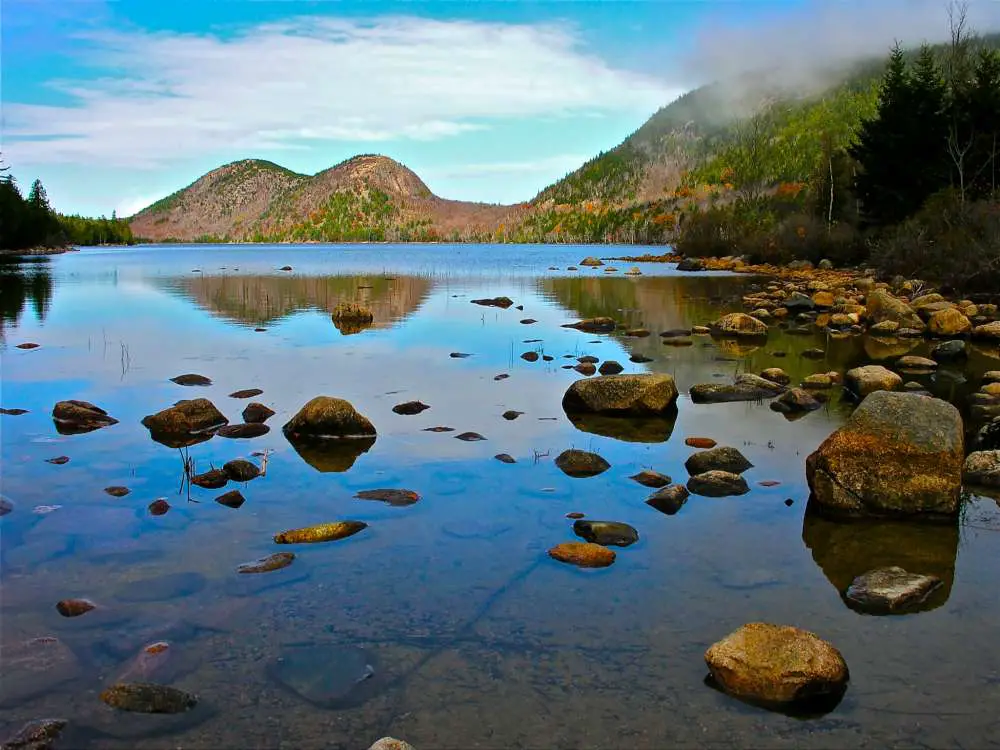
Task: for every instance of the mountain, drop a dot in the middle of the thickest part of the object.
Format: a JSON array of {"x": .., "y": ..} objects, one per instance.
[{"x": 367, "y": 197}]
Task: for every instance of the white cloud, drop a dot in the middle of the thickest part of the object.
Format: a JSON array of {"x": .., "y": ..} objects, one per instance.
[
  {"x": 316, "y": 79},
  {"x": 133, "y": 205}
]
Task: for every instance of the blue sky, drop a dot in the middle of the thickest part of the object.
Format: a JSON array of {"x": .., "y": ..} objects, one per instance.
[{"x": 115, "y": 103}]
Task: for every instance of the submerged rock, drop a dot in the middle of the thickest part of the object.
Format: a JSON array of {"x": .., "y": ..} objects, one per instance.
[
  {"x": 583, "y": 554},
  {"x": 77, "y": 417},
  {"x": 390, "y": 497},
  {"x": 147, "y": 698},
  {"x": 410, "y": 408},
  {"x": 889, "y": 590},
  {"x": 644, "y": 394},
  {"x": 6, "y": 506},
  {"x": 191, "y": 379},
  {"x": 241, "y": 470},
  {"x": 649, "y": 478},
  {"x": 213, "y": 479},
  {"x": 328, "y": 675},
  {"x": 581, "y": 464},
  {"x": 721, "y": 458},
  {"x": 606, "y": 533},
  {"x": 74, "y": 607},
  {"x": 950, "y": 351},
  {"x": 277, "y": 561},
  {"x": 898, "y": 454},
  {"x": 245, "y": 431},
  {"x": 324, "y": 532},
  {"x": 161, "y": 588},
  {"x": 670, "y": 499},
  {"x": 40, "y": 734},
  {"x": 745, "y": 388},
  {"x": 256, "y": 413},
  {"x": 717, "y": 484},
  {"x": 35, "y": 667},
  {"x": 777, "y": 664},
  {"x": 58, "y": 460}
]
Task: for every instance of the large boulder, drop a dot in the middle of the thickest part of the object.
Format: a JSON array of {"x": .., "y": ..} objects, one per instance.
[
  {"x": 739, "y": 324},
  {"x": 777, "y": 664},
  {"x": 899, "y": 454},
  {"x": 327, "y": 417},
  {"x": 691, "y": 264},
  {"x": 883, "y": 306},
  {"x": 795, "y": 401},
  {"x": 746, "y": 387},
  {"x": 717, "y": 484},
  {"x": 188, "y": 419},
  {"x": 948, "y": 322},
  {"x": 865, "y": 380},
  {"x": 645, "y": 394}
]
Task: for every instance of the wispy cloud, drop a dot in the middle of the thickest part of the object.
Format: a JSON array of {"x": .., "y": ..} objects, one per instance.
[
  {"x": 312, "y": 80},
  {"x": 552, "y": 165}
]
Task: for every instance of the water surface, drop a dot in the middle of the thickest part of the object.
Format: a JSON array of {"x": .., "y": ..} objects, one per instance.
[{"x": 444, "y": 622}]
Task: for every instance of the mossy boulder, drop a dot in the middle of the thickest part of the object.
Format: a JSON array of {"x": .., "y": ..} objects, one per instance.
[
  {"x": 76, "y": 417},
  {"x": 739, "y": 325},
  {"x": 638, "y": 395},
  {"x": 777, "y": 664},
  {"x": 882, "y": 306},
  {"x": 325, "y": 417},
  {"x": 898, "y": 454},
  {"x": 190, "y": 417},
  {"x": 863, "y": 381}
]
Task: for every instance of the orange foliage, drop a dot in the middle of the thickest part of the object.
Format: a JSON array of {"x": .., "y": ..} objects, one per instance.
[{"x": 789, "y": 189}]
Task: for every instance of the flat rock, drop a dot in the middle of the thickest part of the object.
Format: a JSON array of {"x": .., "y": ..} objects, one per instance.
[
  {"x": 650, "y": 478},
  {"x": 644, "y": 394},
  {"x": 213, "y": 479},
  {"x": 777, "y": 664},
  {"x": 583, "y": 554},
  {"x": 502, "y": 302},
  {"x": 795, "y": 401},
  {"x": 324, "y": 532},
  {"x": 581, "y": 464},
  {"x": 469, "y": 437},
  {"x": 41, "y": 734},
  {"x": 191, "y": 379},
  {"x": 439, "y": 428},
  {"x": 745, "y": 388},
  {"x": 717, "y": 484},
  {"x": 277, "y": 561},
  {"x": 889, "y": 589},
  {"x": 13, "y": 412},
  {"x": 510, "y": 414},
  {"x": 699, "y": 442},
  {"x": 606, "y": 533},
  {"x": 397, "y": 498},
  {"x": 505, "y": 458},
  {"x": 871, "y": 378},
  {"x": 593, "y": 325},
  {"x": 246, "y": 393},
  {"x": 117, "y": 491}
]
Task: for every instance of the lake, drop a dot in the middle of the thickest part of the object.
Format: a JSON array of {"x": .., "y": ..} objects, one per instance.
[{"x": 444, "y": 622}]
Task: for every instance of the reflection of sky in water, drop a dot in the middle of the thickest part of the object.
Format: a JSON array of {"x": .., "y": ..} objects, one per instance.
[{"x": 465, "y": 567}]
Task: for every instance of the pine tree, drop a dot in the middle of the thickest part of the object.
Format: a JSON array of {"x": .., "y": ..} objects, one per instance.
[
  {"x": 38, "y": 198},
  {"x": 984, "y": 115},
  {"x": 928, "y": 135}
]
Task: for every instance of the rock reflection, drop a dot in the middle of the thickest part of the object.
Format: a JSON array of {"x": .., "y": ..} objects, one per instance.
[
  {"x": 332, "y": 455},
  {"x": 627, "y": 429},
  {"x": 843, "y": 550}
]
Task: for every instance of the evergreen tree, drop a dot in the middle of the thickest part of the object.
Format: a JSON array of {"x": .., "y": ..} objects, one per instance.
[
  {"x": 928, "y": 133},
  {"x": 984, "y": 116}
]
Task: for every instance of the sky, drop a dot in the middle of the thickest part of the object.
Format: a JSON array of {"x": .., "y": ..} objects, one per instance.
[{"x": 116, "y": 103}]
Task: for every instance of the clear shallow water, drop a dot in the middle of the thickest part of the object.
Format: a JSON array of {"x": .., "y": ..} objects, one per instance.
[{"x": 476, "y": 638}]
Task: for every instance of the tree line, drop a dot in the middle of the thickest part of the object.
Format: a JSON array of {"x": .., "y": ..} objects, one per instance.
[
  {"x": 29, "y": 222},
  {"x": 913, "y": 187}
]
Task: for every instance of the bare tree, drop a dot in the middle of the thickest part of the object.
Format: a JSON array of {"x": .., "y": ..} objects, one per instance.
[{"x": 958, "y": 70}]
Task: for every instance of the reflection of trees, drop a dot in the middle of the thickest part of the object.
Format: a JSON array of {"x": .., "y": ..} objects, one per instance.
[
  {"x": 23, "y": 283},
  {"x": 257, "y": 300}
]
